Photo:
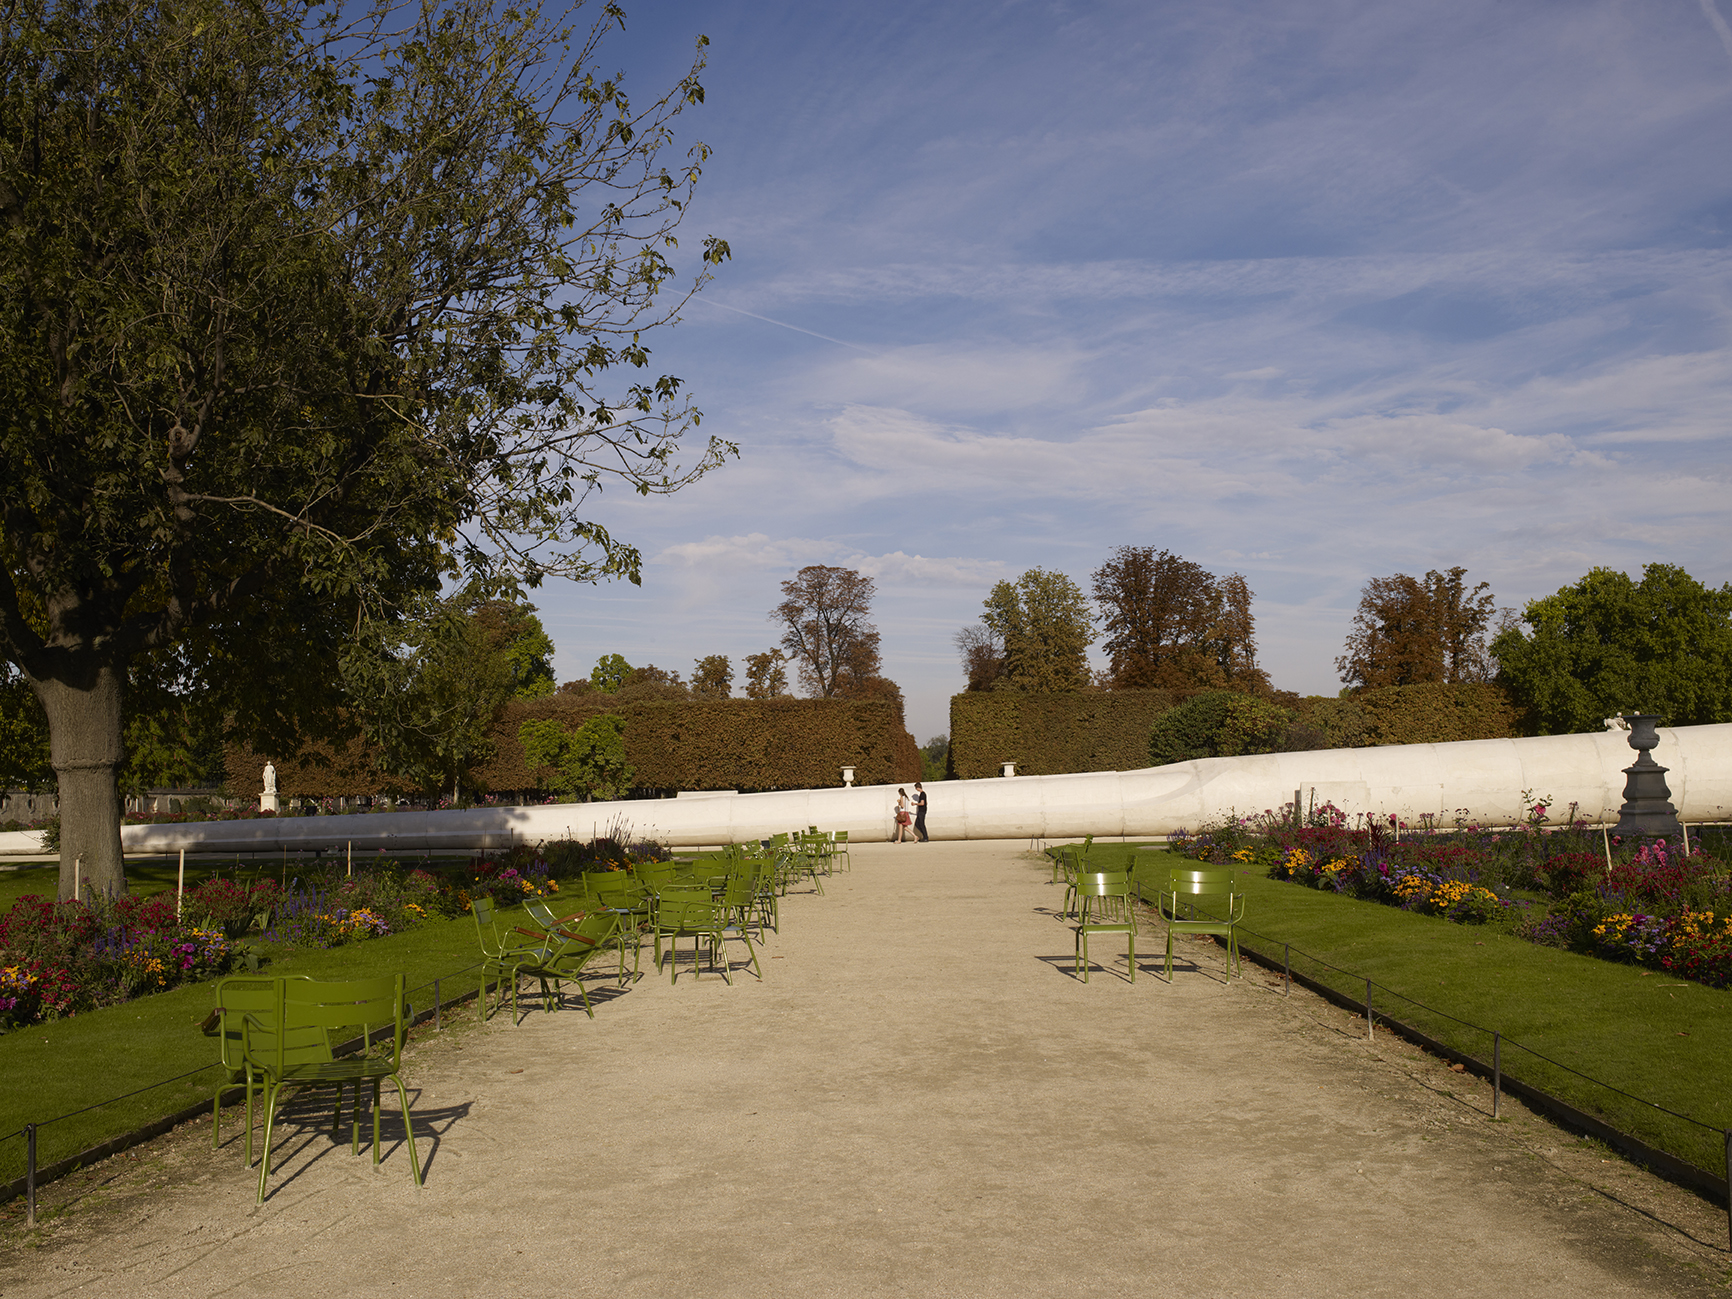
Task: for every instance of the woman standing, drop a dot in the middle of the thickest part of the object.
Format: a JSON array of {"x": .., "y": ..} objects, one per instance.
[{"x": 902, "y": 817}]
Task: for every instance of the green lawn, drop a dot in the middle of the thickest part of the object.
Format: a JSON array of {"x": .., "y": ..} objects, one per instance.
[
  {"x": 1661, "y": 1038},
  {"x": 53, "y": 1069}
]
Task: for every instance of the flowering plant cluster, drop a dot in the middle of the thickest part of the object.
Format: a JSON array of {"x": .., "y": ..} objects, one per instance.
[
  {"x": 1655, "y": 905},
  {"x": 59, "y": 958}
]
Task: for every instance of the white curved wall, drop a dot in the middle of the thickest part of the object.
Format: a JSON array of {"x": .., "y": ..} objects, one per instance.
[{"x": 1482, "y": 778}]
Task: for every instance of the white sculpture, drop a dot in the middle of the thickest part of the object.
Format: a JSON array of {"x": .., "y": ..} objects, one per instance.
[
  {"x": 268, "y": 799},
  {"x": 270, "y": 779}
]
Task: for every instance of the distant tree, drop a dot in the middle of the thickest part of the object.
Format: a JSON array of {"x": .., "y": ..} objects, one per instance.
[
  {"x": 651, "y": 682},
  {"x": 610, "y": 673},
  {"x": 713, "y": 677},
  {"x": 982, "y": 652},
  {"x": 826, "y": 616},
  {"x": 766, "y": 675},
  {"x": 588, "y": 763},
  {"x": 1611, "y": 645},
  {"x": 1171, "y": 624},
  {"x": 1045, "y": 624},
  {"x": 1411, "y": 630},
  {"x": 24, "y": 760},
  {"x": 935, "y": 758},
  {"x": 511, "y": 627},
  {"x": 428, "y": 690},
  {"x": 1219, "y": 724}
]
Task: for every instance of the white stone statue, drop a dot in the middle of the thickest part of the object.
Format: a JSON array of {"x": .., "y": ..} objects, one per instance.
[
  {"x": 1618, "y": 723},
  {"x": 270, "y": 779}
]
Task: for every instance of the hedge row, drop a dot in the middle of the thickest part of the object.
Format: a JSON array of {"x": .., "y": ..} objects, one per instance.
[
  {"x": 1050, "y": 734},
  {"x": 744, "y": 744},
  {"x": 673, "y": 744},
  {"x": 1434, "y": 713}
]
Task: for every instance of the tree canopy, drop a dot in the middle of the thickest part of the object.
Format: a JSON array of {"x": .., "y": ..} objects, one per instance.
[
  {"x": 1045, "y": 625},
  {"x": 1171, "y": 624},
  {"x": 301, "y": 306},
  {"x": 827, "y": 630},
  {"x": 1409, "y": 631},
  {"x": 1611, "y": 645}
]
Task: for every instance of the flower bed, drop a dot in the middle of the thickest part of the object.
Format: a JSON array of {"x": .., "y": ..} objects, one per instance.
[
  {"x": 60, "y": 958},
  {"x": 1656, "y": 906}
]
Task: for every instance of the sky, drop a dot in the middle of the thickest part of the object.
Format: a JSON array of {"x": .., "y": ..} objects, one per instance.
[{"x": 1316, "y": 292}]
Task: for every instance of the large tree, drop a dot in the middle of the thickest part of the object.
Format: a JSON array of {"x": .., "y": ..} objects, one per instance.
[
  {"x": 302, "y": 305},
  {"x": 1411, "y": 630},
  {"x": 1044, "y": 622},
  {"x": 1171, "y": 624},
  {"x": 1611, "y": 645},
  {"x": 827, "y": 629}
]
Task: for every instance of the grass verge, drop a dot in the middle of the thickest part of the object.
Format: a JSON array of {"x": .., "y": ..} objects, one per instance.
[
  {"x": 1660, "y": 1038},
  {"x": 56, "y": 1068}
]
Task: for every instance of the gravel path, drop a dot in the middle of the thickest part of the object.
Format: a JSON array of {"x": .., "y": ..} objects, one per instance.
[{"x": 918, "y": 1099}]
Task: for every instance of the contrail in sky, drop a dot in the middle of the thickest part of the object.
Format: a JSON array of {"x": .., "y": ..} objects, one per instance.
[
  {"x": 814, "y": 333},
  {"x": 1712, "y": 14}
]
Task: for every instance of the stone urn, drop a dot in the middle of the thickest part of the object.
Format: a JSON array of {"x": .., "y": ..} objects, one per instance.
[{"x": 1647, "y": 812}]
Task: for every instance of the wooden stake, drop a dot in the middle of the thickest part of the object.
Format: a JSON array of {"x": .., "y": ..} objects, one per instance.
[
  {"x": 1606, "y": 837},
  {"x": 77, "y": 866},
  {"x": 180, "y": 884},
  {"x": 351, "y": 857}
]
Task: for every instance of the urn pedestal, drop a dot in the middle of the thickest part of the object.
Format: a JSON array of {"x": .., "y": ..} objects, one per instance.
[{"x": 1647, "y": 812}]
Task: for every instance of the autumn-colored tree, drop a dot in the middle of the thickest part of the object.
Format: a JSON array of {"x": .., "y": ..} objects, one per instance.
[
  {"x": 1045, "y": 624},
  {"x": 982, "y": 651},
  {"x": 1172, "y": 625},
  {"x": 766, "y": 675},
  {"x": 1411, "y": 630},
  {"x": 712, "y": 677},
  {"x": 826, "y": 616}
]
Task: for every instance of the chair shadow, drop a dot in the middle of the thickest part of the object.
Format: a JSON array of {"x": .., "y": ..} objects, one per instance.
[{"x": 310, "y": 1141}]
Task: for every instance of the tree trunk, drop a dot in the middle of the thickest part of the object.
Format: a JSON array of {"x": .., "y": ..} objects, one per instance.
[{"x": 84, "y": 745}]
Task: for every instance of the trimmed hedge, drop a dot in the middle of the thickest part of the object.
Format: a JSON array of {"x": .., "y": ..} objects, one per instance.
[
  {"x": 744, "y": 744},
  {"x": 1051, "y": 734},
  {"x": 1433, "y": 713},
  {"x": 672, "y": 744}
]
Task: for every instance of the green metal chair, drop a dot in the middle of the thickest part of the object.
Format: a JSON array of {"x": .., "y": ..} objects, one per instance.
[
  {"x": 544, "y": 915},
  {"x": 362, "y": 1010},
  {"x": 1104, "y": 907},
  {"x": 236, "y": 999},
  {"x": 500, "y": 946},
  {"x": 1210, "y": 904},
  {"x": 568, "y": 948},
  {"x": 694, "y": 913}
]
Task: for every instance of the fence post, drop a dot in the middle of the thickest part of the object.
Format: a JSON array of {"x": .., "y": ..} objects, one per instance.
[
  {"x": 1496, "y": 1073},
  {"x": 1368, "y": 1027},
  {"x": 438, "y": 1024},
  {"x": 30, "y": 1172},
  {"x": 1287, "y": 969}
]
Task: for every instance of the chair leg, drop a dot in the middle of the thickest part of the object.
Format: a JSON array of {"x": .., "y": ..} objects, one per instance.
[
  {"x": 408, "y": 1130},
  {"x": 270, "y": 1121},
  {"x": 375, "y": 1115}
]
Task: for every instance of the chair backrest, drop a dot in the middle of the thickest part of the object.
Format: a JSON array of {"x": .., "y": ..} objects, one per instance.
[
  {"x": 1103, "y": 884},
  {"x": 1201, "y": 883},
  {"x": 685, "y": 909},
  {"x": 353, "y": 1008},
  {"x": 235, "y": 999}
]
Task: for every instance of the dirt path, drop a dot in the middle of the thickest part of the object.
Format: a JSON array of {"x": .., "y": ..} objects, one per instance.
[{"x": 917, "y": 1100}]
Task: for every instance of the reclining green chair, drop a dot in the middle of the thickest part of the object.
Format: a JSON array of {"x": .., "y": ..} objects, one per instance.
[
  {"x": 567, "y": 948},
  {"x": 500, "y": 946},
  {"x": 1209, "y": 904}
]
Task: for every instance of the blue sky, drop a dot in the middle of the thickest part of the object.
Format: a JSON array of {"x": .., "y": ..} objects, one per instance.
[{"x": 1311, "y": 291}]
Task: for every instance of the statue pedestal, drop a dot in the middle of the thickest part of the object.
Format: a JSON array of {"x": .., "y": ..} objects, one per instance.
[
  {"x": 1647, "y": 812},
  {"x": 268, "y": 802}
]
